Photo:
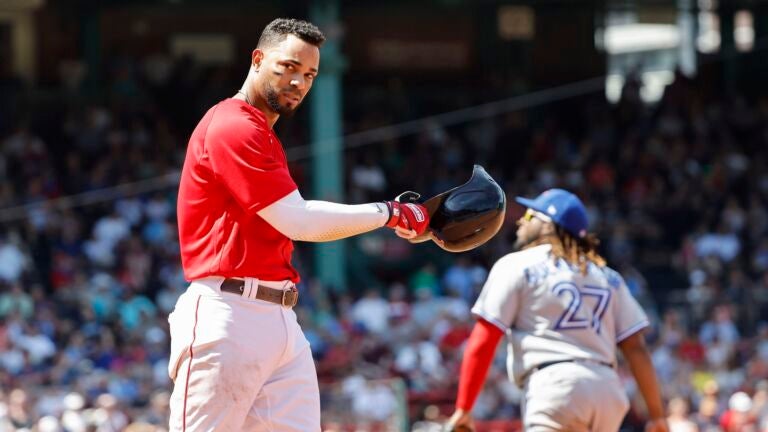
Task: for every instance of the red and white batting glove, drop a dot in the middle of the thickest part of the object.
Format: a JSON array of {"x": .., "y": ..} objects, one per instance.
[{"x": 407, "y": 219}]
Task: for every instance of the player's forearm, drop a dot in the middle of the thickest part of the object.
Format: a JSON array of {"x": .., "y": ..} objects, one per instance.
[
  {"x": 639, "y": 360},
  {"x": 321, "y": 221},
  {"x": 645, "y": 375},
  {"x": 478, "y": 356}
]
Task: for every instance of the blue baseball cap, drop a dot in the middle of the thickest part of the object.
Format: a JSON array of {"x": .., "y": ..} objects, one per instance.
[{"x": 564, "y": 208}]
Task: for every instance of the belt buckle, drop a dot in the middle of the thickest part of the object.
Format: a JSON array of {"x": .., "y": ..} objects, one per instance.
[{"x": 282, "y": 300}]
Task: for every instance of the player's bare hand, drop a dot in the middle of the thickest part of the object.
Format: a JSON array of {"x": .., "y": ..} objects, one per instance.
[
  {"x": 657, "y": 425},
  {"x": 460, "y": 421},
  {"x": 405, "y": 233}
]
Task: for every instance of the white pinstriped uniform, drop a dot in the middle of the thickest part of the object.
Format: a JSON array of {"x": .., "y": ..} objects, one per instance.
[{"x": 551, "y": 312}]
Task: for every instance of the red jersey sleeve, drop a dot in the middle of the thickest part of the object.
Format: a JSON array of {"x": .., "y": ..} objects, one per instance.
[
  {"x": 248, "y": 159},
  {"x": 478, "y": 356}
]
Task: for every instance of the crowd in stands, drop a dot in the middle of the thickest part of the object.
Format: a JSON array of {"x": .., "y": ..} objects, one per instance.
[{"x": 677, "y": 191}]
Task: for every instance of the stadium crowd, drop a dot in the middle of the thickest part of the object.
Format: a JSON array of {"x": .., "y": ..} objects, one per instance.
[{"x": 677, "y": 191}]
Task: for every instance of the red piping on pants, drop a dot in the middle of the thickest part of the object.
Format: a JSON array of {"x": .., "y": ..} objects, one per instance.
[{"x": 189, "y": 367}]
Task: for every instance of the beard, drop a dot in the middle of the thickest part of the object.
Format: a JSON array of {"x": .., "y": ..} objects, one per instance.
[
  {"x": 520, "y": 243},
  {"x": 525, "y": 240},
  {"x": 273, "y": 100}
]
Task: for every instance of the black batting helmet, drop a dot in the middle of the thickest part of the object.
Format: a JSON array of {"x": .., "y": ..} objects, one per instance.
[{"x": 466, "y": 216}]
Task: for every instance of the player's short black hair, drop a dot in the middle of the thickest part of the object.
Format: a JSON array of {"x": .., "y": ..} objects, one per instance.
[{"x": 279, "y": 29}]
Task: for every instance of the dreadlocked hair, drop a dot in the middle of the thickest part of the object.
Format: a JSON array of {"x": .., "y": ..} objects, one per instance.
[{"x": 575, "y": 251}]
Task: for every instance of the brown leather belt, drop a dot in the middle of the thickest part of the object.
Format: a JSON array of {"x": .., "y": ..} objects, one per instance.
[{"x": 287, "y": 298}]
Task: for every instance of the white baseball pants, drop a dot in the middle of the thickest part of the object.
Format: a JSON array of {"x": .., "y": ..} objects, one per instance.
[
  {"x": 574, "y": 397},
  {"x": 239, "y": 364}
]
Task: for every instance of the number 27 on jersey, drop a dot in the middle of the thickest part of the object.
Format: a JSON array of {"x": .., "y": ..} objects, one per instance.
[{"x": 586, "y": 307}]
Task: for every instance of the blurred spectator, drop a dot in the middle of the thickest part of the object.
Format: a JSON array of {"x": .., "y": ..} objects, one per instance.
[
  {"x": 425, "y": 279},
  {"x": 432, "y": 422},
  {"x": 464, "y": 279},
  {"x": 374, "y": 401},
  {"x": 13, "y": 259},
  {"x": 723, "y": 244},
  {"x": 157, "y": 414},
  {"x": 37, "y": 346},
  {"x": 72, "y": 417},
  {"x": 678, "y": 420},
  {"x": 135, "y": 310},
  {"x": 19, "y": 412},
  {"x": 372, "y": 311},
  {"x": 720, "y": 329},
  {"x": 367, "y": 179},
  {"x": 738, "y": 417},
  {"x": 108, "y": 416},
  {"x": 16, "y": 302},
  {"x": 706, "y": 418}
]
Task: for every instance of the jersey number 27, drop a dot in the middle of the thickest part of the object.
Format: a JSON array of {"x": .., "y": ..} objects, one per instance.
[{"x": 574, "y": 316}]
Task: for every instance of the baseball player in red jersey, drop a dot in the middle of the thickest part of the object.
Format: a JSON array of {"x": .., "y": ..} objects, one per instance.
[
  {"x": 563, "y": 312},
  {"x": 239, "y": 360}
]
